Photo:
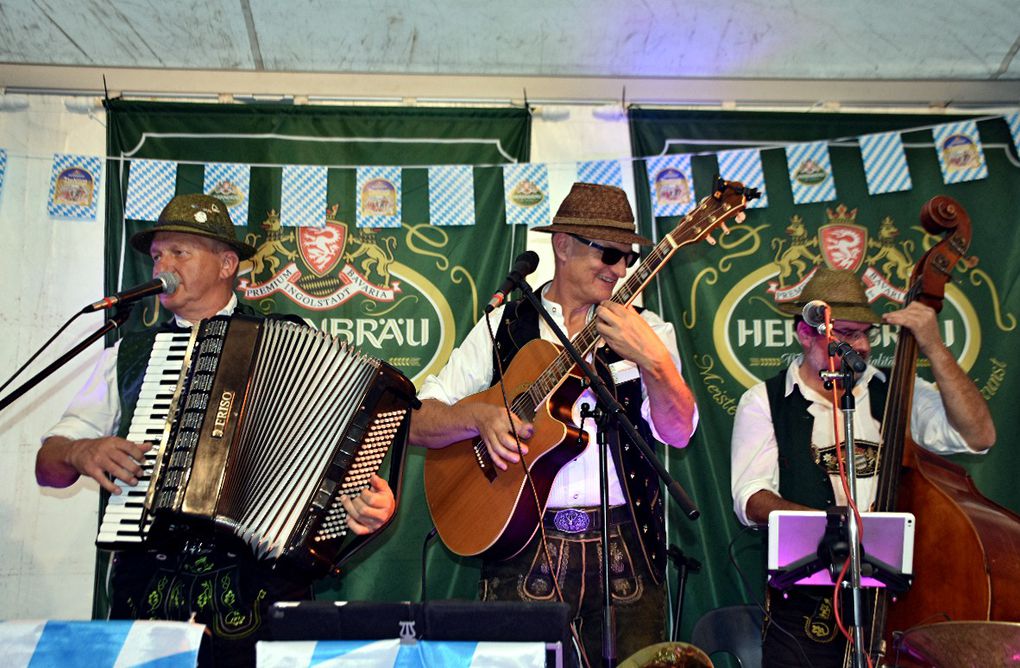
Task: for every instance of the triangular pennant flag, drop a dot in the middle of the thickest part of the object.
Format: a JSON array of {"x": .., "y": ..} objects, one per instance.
[
  {"x": 885, "y": 163},
  {"x": 603, "y": 172},
  {"x": 670, "y": 184},
  {"x": 745, "y": 166},
  {"x": 74, "y": 186},
  {"x": 303, "y": 196},
  {"x": 810, "y": 172},
  {"x": 526, "y": 194},
  {"x": 379, "y": 194},
  {"x": 959, "y": 149},
  {"x": 151, "y": 184},
  {"x": 452, "y": 195},
  {"x": 1013, "y": 121},
  {"x": 230, "y": 183}
]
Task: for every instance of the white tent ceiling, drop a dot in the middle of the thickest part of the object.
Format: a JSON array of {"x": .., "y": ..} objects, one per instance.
[{"x": 941, "y": 52}]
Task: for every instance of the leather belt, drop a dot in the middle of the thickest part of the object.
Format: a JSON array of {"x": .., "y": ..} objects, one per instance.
[{"x": 580, "y": 520}]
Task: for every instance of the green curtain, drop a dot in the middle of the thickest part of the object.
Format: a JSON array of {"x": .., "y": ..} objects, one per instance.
[
  {"x": 434, "y": 274},
  {"x": 731, "y": 335}
]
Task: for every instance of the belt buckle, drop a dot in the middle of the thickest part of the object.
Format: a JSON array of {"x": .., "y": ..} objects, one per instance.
[{"x": 571, "y": 520}]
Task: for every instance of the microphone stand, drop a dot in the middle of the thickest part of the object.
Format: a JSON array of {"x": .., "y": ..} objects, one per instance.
[
  {"x": 118, "y": 319},
  {"x": 611, "y": 418},
  {"x": 847, "y": 406}
]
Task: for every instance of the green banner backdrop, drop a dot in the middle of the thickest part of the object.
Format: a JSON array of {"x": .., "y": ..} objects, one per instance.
[
  {"x": 721, "y": 298},
  {"x": 423, "y": 281}
]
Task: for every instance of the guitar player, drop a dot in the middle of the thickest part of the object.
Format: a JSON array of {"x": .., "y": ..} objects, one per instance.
[{"x": 593, "y": 234}]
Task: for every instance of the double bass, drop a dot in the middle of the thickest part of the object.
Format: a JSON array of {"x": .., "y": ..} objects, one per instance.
[{"x": 966, "y": 547}]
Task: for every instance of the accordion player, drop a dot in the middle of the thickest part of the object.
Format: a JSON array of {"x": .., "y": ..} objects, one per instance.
[{"x": 262, "y": 425}]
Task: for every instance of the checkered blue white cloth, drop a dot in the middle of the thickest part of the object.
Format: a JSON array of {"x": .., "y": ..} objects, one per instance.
[
  {"x": 3, "y": 169},
  {"x": 100, "y": 644},
  {"x": 526, "y": 194},
  {"x": 379, "y": 195},
  {"x": 670, "y": 184},
  {"x": 885, "y": 163},
  {"x": 745, "y": 166},
  {"x": 74, "y": 186},
  {"x": 391, "y": 653},
  {"x": 303, "y": 196},
  {"x": 1013, "y": 121},
  {"x": 230, "y": 182},
  {"x": 603, "y": 172},
  {"x": 810, "y": 172},
  {"x": 452, "y": 195},
  {"x": 959, "y": 149},
  {"x": 151, "y": 184}
]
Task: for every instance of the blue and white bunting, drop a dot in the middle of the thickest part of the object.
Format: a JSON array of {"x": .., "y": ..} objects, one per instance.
[
  {"x": 452, "y": 195},
  {"x": 745, "y": 166},
  {"x": 958, "y": 146},
  {"x": 603, "y": 172},
  {"x": 118, "y": 644},
  {"x": 1013, "y": 121},
  {"x": 303, "y": 196},
  {"x": 151, "y": 184},
  {"x": 670, "y": 184},
  {"x": 885, "y": 163},
  {"x": 74, "y": 186},
  {"x": 230, "y": 183},
  {"x": 526, "y": 194},
  {"x": 3, "y": 169},
  {"x": 810, "y": 172},
  {"x": 393, "y": 653},
  {"x": 379, "y": 195}
]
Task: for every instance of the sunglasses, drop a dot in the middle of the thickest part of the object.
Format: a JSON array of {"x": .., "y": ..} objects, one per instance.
[
  {"x": 610, "y": 256},
  {"x": 850, "y": 335}
]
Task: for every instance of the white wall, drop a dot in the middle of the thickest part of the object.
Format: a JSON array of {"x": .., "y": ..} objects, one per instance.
[{"x": 51, "y": 268}]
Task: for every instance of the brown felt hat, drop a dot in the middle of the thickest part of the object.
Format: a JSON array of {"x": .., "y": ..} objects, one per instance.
[
  {"x": 203, "y": 215},
  {"x": 842, "y": 290},
  {"x": 597, "y": 212}
]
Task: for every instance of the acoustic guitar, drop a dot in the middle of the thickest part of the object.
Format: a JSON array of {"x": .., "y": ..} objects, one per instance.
[{"x": 479, "y": 510}]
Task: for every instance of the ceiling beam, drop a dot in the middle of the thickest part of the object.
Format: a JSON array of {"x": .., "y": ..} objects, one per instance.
[{"x": 407, "y": 88}]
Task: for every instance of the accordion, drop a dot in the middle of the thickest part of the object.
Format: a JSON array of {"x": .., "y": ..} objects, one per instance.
[{"x": 262, "y": 425}]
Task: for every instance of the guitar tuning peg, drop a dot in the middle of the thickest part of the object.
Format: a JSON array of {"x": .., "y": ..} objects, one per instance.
[
  {"x": 710, "y": 240},
  {"x": 725, "y": 230}
]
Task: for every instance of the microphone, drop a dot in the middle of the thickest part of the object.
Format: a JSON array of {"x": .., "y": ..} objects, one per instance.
[
  {"x": 164, "y": 282},
  {"x": 523, "y": 265},
  {"x": 852, "y": 358},
  {"x": 814, "y": 314}
]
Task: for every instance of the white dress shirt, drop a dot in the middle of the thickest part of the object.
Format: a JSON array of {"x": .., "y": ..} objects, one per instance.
[
  {"x": 95, "y": 410},
  {"x": 469, "y": 371},
  {"x": 754, "y": 451}
]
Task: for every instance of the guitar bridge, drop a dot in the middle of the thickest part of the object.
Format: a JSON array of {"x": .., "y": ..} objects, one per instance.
[{"x": 484, "y": 460}]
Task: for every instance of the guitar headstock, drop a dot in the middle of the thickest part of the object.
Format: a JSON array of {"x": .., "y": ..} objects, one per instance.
[{"x": 728, "y": 200}]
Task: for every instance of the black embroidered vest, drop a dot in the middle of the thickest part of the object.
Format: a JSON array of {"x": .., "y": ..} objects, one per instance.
[
  {"x": 519, "y": 325},
  {"x": 801, "y": 479}
]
